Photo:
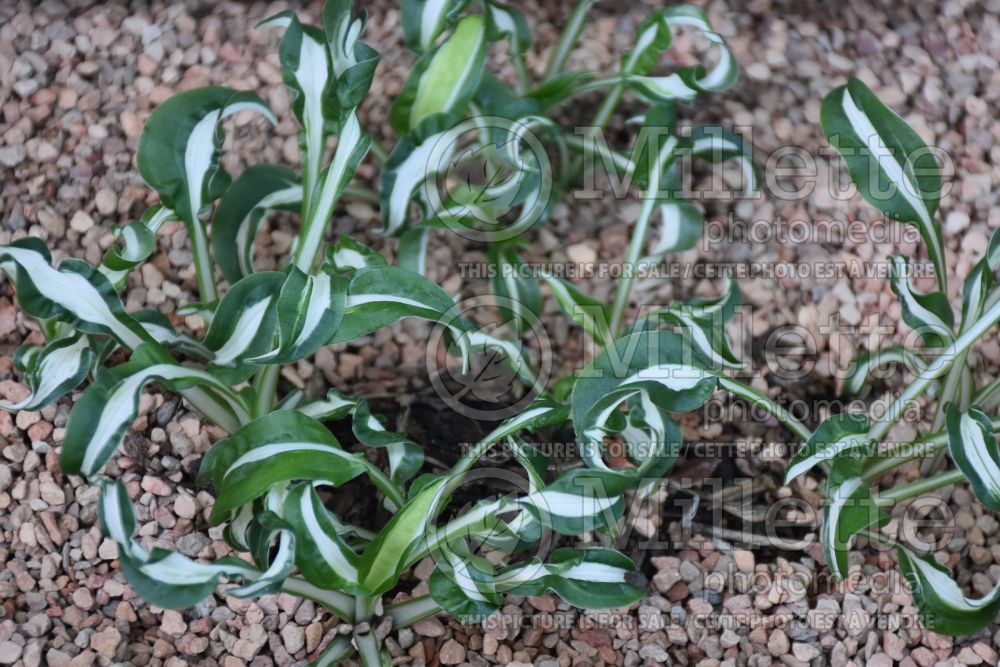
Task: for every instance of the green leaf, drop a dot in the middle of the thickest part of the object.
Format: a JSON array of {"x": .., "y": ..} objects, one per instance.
[
  {"x": 943, "y": 606},
  {"x": 867, "y": 362},
  {"x": 139, "y": 242},
  {"x": 425, "y": 20},
  {"x": 321, "y": 554},
  {"x": 411, "y": 253},
  {"x": 680, "y": 229},
  {"x": 586, "y": 578},
  {"x": 445, "y": 78},
  {"x": 243, "y": 325},
  {"x": 280, "y": 447},
  {"x": 255, "y": 193},
  {"x": 582, "y": 309},
  {"x": 506, "y": 21},
  {"x": 929, "y": 314},
  {"x": 519, "y": 300},
  {"x": 179, "y": 147},
  {"x": 849, "y": 508},
  {"x": 835, "y": 436},
  {"x": 973, "y": 447},
  {"x": 975, "y": 292},
  {"x": 892, "y": 167},
  {"x": 108, "y": 407},
  {"x": 354, "y": 62},
  {"x": 718, "y": 144},
  {"x": 349, "y": 254},
  {"x": 579, "y": 501},
  {"x": 54, "y": 371},
  {"x": 462, "y": 583},
  {"x": 76, "y": 293},
  {"x": 655, "y": 371}
]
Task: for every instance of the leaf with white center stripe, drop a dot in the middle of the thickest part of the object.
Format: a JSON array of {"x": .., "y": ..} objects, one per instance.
[
  {"x": 330, "y": 408},
  {"x": 680, "y": 229},
  {"x": 579, "y": 501},
  {"x": 307, "y": 70},
  {"x": 54, "y": 371},
  {"x": 973, "y": 447},
  {"x": 405, "y": 456},
  {"x": 179, "y": 147},
  {"x": 411, "y": 253},
  {"x": 108, "y": 407},
  {"x": 462, "y": 583},
  {"x": 717, "y": 145},
  {"x": 243, "y": 326},
  {"x": 944, "y": 607},
  {"x": 280, "y": 447},
  {"x": 975, "y": 292},
  {"x": 353, "y": 61},
  {"x": 657, "y": 368},
  {"x": 586, "y": 578},
  {"x": 889, "y": 162},
  {"x": 159, "y": 327},
  {"x": 349, "y": 254},
  {"x": 309, "y": 310},
  {"x": 506, "y": 21},
  {"x": 706, "y": 335},
  {"x": 929, "y": 314},
  {"x": 321, "y": 554},
  {"x": 868, "y": 362},
  {"x": 836, "y": 436},
  {"x": 849, "y": 507},
  {"x": 519, "y": 298},
  {"x": 379, "y": 296},
  {"x": 415, "y": 159},
  {"x": 166, "y": 578},
  {"x": 138, "y": 243},
  {"x": 256, "y": 192},
  {"x": 445, "y": 78},
  {"x": 425, "y": 20},
  {"x": 76, "y": 293},
  {"x": 582, "y": 309}
]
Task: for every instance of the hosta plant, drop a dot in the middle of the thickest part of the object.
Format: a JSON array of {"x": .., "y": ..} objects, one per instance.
[
  {"x": 273, "y": 473},
  {"x": 898, "y": 174}
]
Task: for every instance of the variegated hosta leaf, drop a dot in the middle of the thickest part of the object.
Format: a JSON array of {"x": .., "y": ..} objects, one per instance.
[
  {"x": 349, "y": 254},
  {"x": 506, "y": 21},
  {"x": 888, "y": 161},
  {"x": 321, "y": 553},
  {"x": 424, "y": 20},
  {"x": 717, "y": 144},
  {"x": 973, "y": 447},
  {"x": 179, "y": 147},
  {"x": 416, "y": 158},
  {"x": 169, "y": 579},
  {"x": 586, "y": 578},
  {"x": 353, "y": 61},
  {"x": 993, "y": 251},
  {"x": 243, "y": 325},
  {"x": 579, "y": 501},
  {"x": 411, "y": 253},
  {"x": 379, "y": 296},
  {"x": 462, "y": 583},
  {"x": 867, "y": 362},
  {"x": 975, "y": 292},
  {"x": 306, "y": 68},
  {"x": 585, "y": 311},
  {"x": 138, "y": 243},
  {"x": 53, "y": 371},
  {"x": 405, "y": 456},
  {"x": 445, "y": 78},
  {"x": 309, "y": 310},
  {"x": 515, "y": 356},
  {"x": 76, "y": 293},
  {"x": 256, "y": 192},
  {"x": 657, "y": 371},
  {"x": 702, "y": 323},
  {"x": 680, "y": 229},
  {"x": 849, "y": 508},
  {"x": 836, "y": 436},
  {"x": 99, "y": 418},
  {"x": 943, "y": 606},
  {"x": 280, "y": 447},
  {"x": 929, "y": 314},
  {"x": 519, "y": 299}
]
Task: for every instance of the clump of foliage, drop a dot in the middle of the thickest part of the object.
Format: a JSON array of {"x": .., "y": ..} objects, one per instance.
[
  {"x": 898, "y": 174},
  {"x": 279, "y": 460}
]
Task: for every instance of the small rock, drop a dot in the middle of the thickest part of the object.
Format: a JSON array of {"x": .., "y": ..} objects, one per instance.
[
  {"x": 294, "y": 637},
  {"x": 172, "y": 623},
  {"x": 185, "y": 506},
  {"x": 106, "y": 642},
  {"x": 81, "y": 222},
  {"x": 155, "y": 485},
  {"x": 429, "y": 627},
  {"x": 106, "y": 201},
  {"x": 191, "y": 644},
  {"x": 9, "y": 652},
  {"x": 777, "y": 643},
  {"x": 11, "y": 156},
  {"x": 744, "y": 560},
  {"x": 452, "y": 653},
  {"x": 83, "y": 599}
]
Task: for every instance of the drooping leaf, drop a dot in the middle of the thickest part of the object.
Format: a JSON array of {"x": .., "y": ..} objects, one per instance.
[
  {"x": 929, "y": 314},
  {"x": 243, "y": 325},
  {"x": 54, "y": 371},
  {"x": 836, "y": 436},
  {"x": 321, "y": 554},
  {"x": 892, "y": 167},
  {"x": 586, "y": 578},
  {"x": 425, "y": 20},
  {"x": 582, "y": 309},
  {"x": 867, "y": 362},
  {"x": 849, "y": 508},
  {"x": 138, "y": 243},
  {"x": 519, "y": 300},
  {"x": 973, "y": 447}
]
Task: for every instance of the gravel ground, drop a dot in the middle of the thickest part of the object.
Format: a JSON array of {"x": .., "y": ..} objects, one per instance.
[{"x": 76, "y": 83}]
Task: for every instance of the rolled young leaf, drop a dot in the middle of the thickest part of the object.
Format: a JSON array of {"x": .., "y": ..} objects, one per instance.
[
  {"x": 867, "y": 362},
  {"x": 928, "y": 314},
  {"x": 54, "y": 371},
  {"x": 139, "y": 242},
  {"x": 892, "y": 167},
  {"x": 973, "y": 447}
]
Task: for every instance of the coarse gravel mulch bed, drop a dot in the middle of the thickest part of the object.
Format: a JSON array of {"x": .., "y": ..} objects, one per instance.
[{"x": 77, "y": 81}]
